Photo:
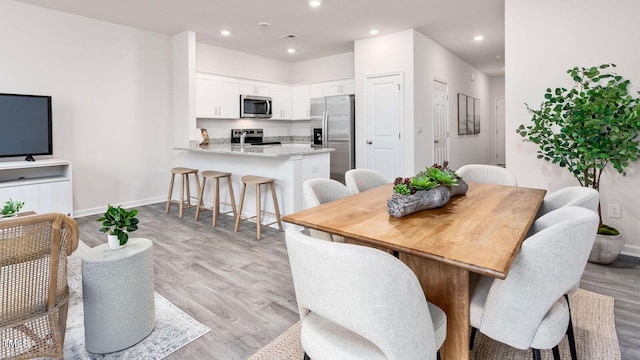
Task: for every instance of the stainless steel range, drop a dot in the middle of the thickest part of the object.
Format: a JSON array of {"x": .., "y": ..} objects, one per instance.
[{"x": 252, "y": 137}]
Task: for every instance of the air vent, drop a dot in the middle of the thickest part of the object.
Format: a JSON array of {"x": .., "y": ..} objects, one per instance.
[{"x": 288, "y": 36}]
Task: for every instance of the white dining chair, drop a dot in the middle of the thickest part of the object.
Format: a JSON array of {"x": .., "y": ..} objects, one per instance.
[
  {"x": 359, "y": 180},
  {"x": 357, "y": 302},
  {"x": 585, "y": 197},
  {"x": 487, "y": 174},
  {"x": 529, "y": 308},
  {"x": 319, "y": 191}
]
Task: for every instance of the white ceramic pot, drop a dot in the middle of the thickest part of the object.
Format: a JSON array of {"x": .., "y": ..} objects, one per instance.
[
  {"x": 114, "y": 243},
  {"x": 606, "y": 249}
]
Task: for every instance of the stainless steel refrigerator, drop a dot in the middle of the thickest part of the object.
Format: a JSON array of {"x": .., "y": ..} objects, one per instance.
[{"x": 332, "y": 126}]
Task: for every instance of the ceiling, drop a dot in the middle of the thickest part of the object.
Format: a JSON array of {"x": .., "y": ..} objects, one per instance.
[{"x": 322, "y": 31}]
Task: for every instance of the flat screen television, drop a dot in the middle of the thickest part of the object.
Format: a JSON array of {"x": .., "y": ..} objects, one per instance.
[{"x": 25, "y": 126}]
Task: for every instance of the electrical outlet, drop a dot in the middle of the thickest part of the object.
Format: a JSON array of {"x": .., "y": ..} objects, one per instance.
[{"x": 614, "y": 211}]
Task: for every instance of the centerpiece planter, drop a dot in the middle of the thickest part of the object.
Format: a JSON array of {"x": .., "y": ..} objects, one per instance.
[
  {"x": 606, "y": 249},
  {"x": 117, "y": 223},
  {"x": 429, "y": 189}
]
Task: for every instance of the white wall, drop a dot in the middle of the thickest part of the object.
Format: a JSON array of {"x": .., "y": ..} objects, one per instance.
[
  {"x": 381, "y": 55},
  {"x": 592, "y": 33},
  {"x": 432, "y": 61},
  {"x": 496, "y": 84},
  {"x": 110, "y": 86},
  {"x": 334, "y": 67},
  {"x": 217, "y": 60}
]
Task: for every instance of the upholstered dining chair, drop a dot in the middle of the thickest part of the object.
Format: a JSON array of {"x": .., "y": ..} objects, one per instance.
[
  {"x": 487, "y": 174},
  {"x": 320, "y": 191},
  {"x": 34, "y": 293},
  {"x": 357, "y": 302},
  {"x": 585, "y": 197},
  {"x": 529, "y": 308},
  {"x": 359, "y": 180}
]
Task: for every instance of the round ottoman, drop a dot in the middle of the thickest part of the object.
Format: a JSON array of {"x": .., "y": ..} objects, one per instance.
[{"x": 118, "y": 297}]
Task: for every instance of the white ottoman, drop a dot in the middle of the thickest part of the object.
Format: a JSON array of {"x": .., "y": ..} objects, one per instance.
[{"x": 118, "y": 297}]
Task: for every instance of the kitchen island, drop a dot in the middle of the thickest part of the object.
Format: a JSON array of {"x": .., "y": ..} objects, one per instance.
[{"x": 289, "y": 164}]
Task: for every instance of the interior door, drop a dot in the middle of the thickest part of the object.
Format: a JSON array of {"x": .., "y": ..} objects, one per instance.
[
  {"x": 382, "y": 116},
  {"x": 440, "y": 122},
  {"x": 500, "y": 147}
]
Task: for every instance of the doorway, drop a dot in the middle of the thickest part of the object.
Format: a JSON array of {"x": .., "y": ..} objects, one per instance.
[
  {"x": 382, "y": 118},
  {"x": 440, "y": 122},
  {"x": 500, "y": 124}
]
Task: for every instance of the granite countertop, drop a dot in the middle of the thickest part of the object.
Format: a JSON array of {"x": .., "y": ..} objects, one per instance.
[{"x": 284, "y": 150}]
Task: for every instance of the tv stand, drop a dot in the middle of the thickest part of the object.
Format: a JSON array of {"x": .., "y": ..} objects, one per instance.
[
  {"x": 44, "y": 185},
  {"x": 29, "y": 158}
]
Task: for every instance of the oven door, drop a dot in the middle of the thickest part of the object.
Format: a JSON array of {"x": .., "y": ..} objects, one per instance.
[{"x": 255, "y": 107}]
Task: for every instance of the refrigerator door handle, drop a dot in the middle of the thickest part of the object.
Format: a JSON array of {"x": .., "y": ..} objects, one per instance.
[{"x": 325, "y": 129}]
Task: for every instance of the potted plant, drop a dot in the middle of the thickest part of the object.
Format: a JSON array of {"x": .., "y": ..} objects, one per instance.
[
  {"x": 11, "y": 208},
  {"x": 117, "y": 222},
  {"x": 586, "y": 128},
  {"x": 430, "y": 188}
]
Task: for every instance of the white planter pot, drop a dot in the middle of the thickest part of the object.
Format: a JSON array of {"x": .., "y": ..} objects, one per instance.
[
  {"x": 606, "y": 249},
  {"x": 114, "y": 243}
]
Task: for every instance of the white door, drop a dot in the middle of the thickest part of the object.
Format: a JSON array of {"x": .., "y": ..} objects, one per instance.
[
  {"x": 440, "y": 122},
  {"x": 382, "y": 116},
  {"x": 500, "y": 156}
]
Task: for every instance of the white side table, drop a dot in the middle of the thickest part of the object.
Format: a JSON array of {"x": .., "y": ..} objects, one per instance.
[{"x": 118, "y": 297}]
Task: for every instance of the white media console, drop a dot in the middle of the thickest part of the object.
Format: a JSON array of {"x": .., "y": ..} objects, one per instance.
[{"x": 44, "y": 185}]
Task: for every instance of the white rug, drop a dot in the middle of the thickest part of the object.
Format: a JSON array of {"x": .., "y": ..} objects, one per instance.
[{"x": 174, "y": 328}]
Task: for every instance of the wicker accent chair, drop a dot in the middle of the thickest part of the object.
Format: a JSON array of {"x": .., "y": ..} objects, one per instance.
[{"x": 34, "y": 294}]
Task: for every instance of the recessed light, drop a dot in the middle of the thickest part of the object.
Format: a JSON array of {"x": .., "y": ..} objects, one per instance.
[
  {"x": 315, "y": 3},
  {"x": 264, "y": 24},
  {"x": 373, "y": 32},
  {"x": 478, "y": 37},
  {"x": 291, "y": 50},
  {"x": 225, "y": 32}
]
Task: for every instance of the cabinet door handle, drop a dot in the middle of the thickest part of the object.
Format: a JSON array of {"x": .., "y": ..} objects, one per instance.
[{"x": 369, "y": 142}]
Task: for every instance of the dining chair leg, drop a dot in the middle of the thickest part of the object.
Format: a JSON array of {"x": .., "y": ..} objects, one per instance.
[
  {"x": 438, "y": 355},
  {"x": 306, "y": 357},
  {"x": 473, "y": 337},
  {"x": 536, "y": 354},
  {"x": 556, "y": 353},
  {"x": 570, "y": 335}
]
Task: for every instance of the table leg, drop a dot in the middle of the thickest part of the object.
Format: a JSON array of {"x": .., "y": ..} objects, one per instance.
[{"x": 446, "y": 286}]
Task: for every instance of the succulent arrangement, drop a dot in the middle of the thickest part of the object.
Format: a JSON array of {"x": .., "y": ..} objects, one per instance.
[
  {"x": 427, "y": 179},
  {"x": 11, "y": 207}
]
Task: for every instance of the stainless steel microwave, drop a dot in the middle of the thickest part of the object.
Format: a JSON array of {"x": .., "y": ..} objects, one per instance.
[{"x": 255, "y": 107}]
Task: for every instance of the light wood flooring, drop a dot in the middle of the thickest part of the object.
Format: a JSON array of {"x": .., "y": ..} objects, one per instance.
[{"x": 241, "y": 287}]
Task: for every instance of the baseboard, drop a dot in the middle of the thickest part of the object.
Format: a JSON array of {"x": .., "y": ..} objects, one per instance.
[
  {"x": 631, "y": 250},
  {"x": 127, "y": 205}
]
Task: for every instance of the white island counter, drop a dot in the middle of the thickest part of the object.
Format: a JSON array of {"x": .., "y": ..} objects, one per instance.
[{"x": 289, "y": 164}]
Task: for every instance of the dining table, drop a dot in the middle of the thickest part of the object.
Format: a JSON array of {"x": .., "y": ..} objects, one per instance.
[{"x": 480, "y": 232}]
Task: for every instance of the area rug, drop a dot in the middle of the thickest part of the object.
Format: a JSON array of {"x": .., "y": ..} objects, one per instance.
[
  {"x": 174, "y": 328},
  {"x": 593, "y": 321}
]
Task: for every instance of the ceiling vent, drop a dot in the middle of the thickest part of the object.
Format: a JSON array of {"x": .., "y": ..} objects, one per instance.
[{"x": 288, "y": 36}]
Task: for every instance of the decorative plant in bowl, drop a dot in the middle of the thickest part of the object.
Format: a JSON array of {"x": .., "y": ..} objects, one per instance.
[
  {"x": 586, "y": 128},
  {"x": 11, "y": 207},
  {"x": 430, "y": 188},
  {"x": 117, "y": 222}
]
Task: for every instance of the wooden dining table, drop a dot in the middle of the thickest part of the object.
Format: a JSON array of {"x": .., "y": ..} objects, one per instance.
[{"x": 480, "y": 232}]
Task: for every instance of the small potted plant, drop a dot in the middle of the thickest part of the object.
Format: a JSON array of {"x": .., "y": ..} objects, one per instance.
[
  {"x": 430, "y": 188},
  {"x": 11, "y": 208},
  {"x": 117, "y": 222}
]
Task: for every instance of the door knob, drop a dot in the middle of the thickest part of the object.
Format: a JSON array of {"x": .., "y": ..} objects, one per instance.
[{"x": 369, "y": 142}]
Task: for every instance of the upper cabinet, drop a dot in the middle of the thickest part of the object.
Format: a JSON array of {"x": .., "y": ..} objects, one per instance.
[
  {"x": 340, "y": 87},
  {"x": 316, "y": 90},
  {"x": 281, "y": 96},
  {"x": 217, "y": 97},
  {"x": 301, "y": 102},
  {"x": 258, "y": 88}
]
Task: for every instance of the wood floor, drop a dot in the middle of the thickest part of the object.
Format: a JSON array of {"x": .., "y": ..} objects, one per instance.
[{"x": 241, "y": 287}]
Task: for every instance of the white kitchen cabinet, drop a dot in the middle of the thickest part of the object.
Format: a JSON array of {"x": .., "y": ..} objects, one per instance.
[
  {"x": 217, "y": 97},
  {"x": 282, "y": 102},
  {"x": 340, "y": 87},
  {"x": 301, "y": 102},
  {"x": 316, "y": 90},
  {"x": 257, "y": 88}
]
